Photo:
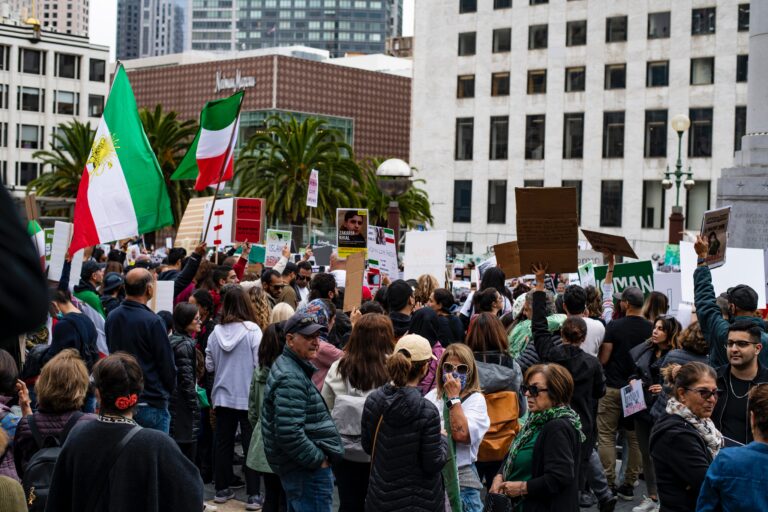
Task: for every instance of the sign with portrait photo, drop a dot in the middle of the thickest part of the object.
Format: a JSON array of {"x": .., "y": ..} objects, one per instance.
[
  {"x": 714, "y": 229},
  {"x": 351, "y": 231}
]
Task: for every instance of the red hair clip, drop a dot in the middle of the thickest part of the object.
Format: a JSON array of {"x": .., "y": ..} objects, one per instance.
[{"x": 126, "y": 402}]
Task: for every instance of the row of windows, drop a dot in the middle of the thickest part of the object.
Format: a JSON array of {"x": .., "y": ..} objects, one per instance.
[
  {"x": 25, "y": 171},
  {"x": 301, "y": 4},
  {"x": 32, "y": 99},
  {"x": 611, "y": 199},
  {"x": 703, "y": 22},
  {"x": 64, "y": 65},
  {"x": 655, "y": 143}
]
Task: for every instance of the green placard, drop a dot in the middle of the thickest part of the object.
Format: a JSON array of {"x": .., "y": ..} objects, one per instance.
[
  {"x": 637, "y": 273},
  {"x": 258, "y": 254}
]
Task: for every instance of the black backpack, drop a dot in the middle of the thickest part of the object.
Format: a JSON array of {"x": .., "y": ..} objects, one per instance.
[{"x": 39, "y": 471}]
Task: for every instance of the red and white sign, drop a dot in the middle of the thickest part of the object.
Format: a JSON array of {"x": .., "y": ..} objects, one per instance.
[
  {"x": 314, "y": 184},
  {"x": 248, "y": 221}
]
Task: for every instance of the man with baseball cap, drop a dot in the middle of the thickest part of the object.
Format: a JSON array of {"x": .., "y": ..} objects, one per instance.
[
  {"x": 300, "y": 438},
  {"x": 742, "y": 306},
  {"x": 91, "y": 276}
]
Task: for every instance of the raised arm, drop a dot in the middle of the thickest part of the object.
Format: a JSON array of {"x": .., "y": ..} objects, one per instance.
[{"x": 713, "y": 326}]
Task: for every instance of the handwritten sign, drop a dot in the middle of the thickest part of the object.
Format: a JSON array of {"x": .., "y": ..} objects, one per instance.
[
  {"x": 609, "y": 244},
  {"x": 714, "y": 228},
  {"x": 632, "y": 399},
  {"x": 276, "y": 241}
]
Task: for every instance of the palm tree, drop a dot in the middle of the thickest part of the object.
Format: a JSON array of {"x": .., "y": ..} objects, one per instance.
[
  {"x": 170, "y": 138},
  {"x": 70, "y": 147},
  {"x": 276, "y": 164},
  {"x": 414, "y": 203}
]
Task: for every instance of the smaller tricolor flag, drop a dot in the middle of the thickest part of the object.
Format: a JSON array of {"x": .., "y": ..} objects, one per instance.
[
  {"x": 210, "y": 158},
  {"x": 37, "y": 235}
]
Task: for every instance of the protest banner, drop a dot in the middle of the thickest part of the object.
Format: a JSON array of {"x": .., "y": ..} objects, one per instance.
[
  {"x": 508, "y": 258},
  {"x": 353, "y": 287},
  {"x": 425, "y": 254},
  {"x": 62, "y": 235},
  {"x": 276, "y": 241},
  {"x": 220, "y": 229},
  {"x": 548, "y": 228},
  {"x": 609, "y": 244},
  {"x": 191, "y": 226},
  {"x": 636, "y": 273},
  {"x": 714, "y": 228},
  {"x": 162, "y": 299},
  {"x": 381, "y": 248},
  {"x": 744, "y": 266},
  {"x": 632, "y": 398},
  {"x": 312, "y": 189},
  {"x": 351, "y": 231}
]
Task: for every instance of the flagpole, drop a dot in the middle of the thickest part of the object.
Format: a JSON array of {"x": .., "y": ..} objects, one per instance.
[{"x": 224, "y": 164}]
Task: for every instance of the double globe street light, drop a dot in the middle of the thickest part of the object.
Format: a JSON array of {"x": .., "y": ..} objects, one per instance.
[{"x": 680, "y": 123}]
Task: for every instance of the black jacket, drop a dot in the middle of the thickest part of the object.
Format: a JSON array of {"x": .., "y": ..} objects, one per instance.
[
  {"x": 74, "y": 330},
  {"x": 186, "y": 275},
  {"x": 110, "y": 303},
  {"x": 451, "y": 330},
  {"x": 409, "y": 452},
  {"x": 718, "y": 415},
  {"x": 681, "y": 459},
  {"x": 649, "y": 372},
  {"x": 183, "y": 406},
  {"x": 400, "y": 322}
]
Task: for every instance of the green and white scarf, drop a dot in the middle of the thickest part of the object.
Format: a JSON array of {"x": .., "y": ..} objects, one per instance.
[{"x": 536, "y": 420}]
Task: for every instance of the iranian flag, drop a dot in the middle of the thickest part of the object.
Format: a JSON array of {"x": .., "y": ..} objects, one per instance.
[
  {"x": 37, "y": 235},
  {"x": 214, "y": 145},
  {"x": 122, "y": 191}
]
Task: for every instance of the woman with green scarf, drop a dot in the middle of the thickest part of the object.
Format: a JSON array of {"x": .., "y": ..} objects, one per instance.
[{"x": 540, "y": 471}]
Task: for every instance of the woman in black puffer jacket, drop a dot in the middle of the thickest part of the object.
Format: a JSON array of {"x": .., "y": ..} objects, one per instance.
[
  {"x": 401, "y": 432},
  {"x": 183, "y": 406}
]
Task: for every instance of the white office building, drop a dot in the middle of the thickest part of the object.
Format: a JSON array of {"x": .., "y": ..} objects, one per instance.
[
  {"x": 514, "y": 93},
  {"x": 45, "y": 80}
]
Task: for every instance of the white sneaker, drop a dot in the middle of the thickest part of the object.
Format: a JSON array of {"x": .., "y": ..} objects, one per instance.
[{"x": 647, "y": 505}]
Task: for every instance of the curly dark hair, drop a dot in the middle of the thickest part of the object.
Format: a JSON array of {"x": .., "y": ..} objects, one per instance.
[{"x": 692, "y": 340}]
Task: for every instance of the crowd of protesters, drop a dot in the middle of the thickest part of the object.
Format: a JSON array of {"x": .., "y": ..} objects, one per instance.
[{"x": 507, "y": 399}]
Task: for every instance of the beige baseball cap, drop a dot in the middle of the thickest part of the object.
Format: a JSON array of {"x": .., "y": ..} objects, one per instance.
[{"x": 417, "y": 347}]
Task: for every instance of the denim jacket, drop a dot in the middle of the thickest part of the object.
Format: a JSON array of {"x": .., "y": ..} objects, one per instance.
[{"x": 736, "y": 480}]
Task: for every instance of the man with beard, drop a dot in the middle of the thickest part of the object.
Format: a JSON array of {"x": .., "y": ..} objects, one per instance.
[{"x": 735, "y": 379}]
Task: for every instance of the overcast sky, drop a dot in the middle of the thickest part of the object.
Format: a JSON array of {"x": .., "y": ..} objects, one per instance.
[{"x": 104, "y": 22}]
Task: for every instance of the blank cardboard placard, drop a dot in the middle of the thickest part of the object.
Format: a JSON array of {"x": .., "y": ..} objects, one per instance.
[
  {"x": 353, "y": 289},
  {"x": 62, "y": 235},
  {"x": 162, "y": 300},
  {"x": 322, "y": 254},
  {"x": 508, "y": 258},
  {"x": 613, "y": 244},
  {"x": 548, "y": 228},
  {"x": 425, "y": 254},
  {"x": 191, "y": 227}
]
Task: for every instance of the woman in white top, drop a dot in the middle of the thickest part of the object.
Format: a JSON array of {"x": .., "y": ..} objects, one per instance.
[
  {"x": 492, "y": 278},
  {"x": 458, "y": 392}
]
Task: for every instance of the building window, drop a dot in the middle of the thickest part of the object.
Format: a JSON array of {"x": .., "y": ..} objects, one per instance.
[
  {"x": 615, "y": 76},
  {"x": 497, "y": 201},
  {"x": 4, "y": 135},
  {"x": 465, "y": 132},
  {"x": 502, "y": 4},
  {"x": 653, "y": 204},
  {"x": 30, "y": 99},
  {"x": 500, "y": 84},
  {"x": 537, "y": 37},
  {"x": 700, "y": 134},
  {"x": 657, "y": 74},
  {"x": 534, "y": 137},
  {"x": 466, "y": 43},
  {"x": 740, "y": 127},
  {"x": 95, "y": 105},
  {"x": 499, "y": 137},
  {"x": 573, "y": 135},
  {"x": 467, "y": 6},
  {"x": 537, "y": 81},
  {"x": 466, "y": 87},
  {"x": 703, "y": 21},
  {"x": 696, "y": 203},
  {"x": 610, "y": 203},
  {"x": 4, "y": 95},
  {"x": 743, "y": 17},
  {"x": 538, "y": 2},
  {"x": 575, "y": 79},
  {"x": 97, "y": 70},
  {"x": 502, "y": 40},
  {"x": 577, "y": 185},
  {"x": 658, "y": 25},
  {"x": 703, "y": 71},
  {"x": 29, "y": 136},
  {"x": 462, "y": 200},
  {"x": 576, "y": 33},
  {"x": 66, "y": 102},
  {"x": 613, "y": 134},
  {"x": 67, "y": 66},
  {"x": 31, "y": 61},
  {"x": 5, "y": 57},
  {"x": 25, "y": 172},
  {"x": 533, "y": 183},
  {"x": 742, "y": 64},
  {"x": 616, "y": 29},
  {"x": 655, "y": 133}
]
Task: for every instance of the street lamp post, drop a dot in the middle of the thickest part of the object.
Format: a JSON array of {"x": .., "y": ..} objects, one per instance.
[
  {"x": 680, "y": 123},
  {"x": 394, "y": 179}
]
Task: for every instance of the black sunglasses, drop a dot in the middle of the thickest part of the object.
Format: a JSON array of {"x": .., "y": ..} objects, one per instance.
[
  {"x": 302, "y": 278},
  {"x": 461, "y": 369},
  {"x": 705, "y": 393},
  {"x": 532, "y": 390}
]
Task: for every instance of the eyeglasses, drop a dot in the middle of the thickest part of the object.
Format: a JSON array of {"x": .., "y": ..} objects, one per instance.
[
  {"x": 739, "y": 343},
  {"x": 461, "y": 369},
  {"x": 705, "y": 393},
  {"x": 532, "y": 390}
]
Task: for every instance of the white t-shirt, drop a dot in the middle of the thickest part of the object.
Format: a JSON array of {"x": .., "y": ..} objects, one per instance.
[
  {"x": 303, "y": 294},
  {"x": 595, "y": 335},
  {"x": 467, "y": 306},
  {"x": 477, "y": 420}
]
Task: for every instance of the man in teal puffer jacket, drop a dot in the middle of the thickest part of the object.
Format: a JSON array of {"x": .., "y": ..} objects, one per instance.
[{"x": 300, "y": 438}]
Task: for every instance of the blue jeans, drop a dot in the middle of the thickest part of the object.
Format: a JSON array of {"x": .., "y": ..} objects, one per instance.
[
  {"x": 470, "y": 500},
  {"x": 309, "y": 491},
  {"x": 152, "y": 417}
]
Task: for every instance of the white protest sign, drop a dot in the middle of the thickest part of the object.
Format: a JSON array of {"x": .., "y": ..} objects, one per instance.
[
  {"x": 162, "y": 300},
  {"x": 425, "y": 254},
  {"x": 632, "y": 399},
  {"x": 314, "y": 183},
  {"x": 62, "y": 236},
  {"x": 276, "y": 241},
  {"x": 381, "y": 249},
  {"x": 669, "y": 284},
  {"x": 220, "y": 229},
  {"x": 744, "y": 266},
  {"x": 587, "y": 274}
]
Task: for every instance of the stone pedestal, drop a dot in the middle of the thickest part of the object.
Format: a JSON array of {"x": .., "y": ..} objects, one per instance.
[
  {"x": 676, "y": 225},
  {"x": 393, "y": 221},
  {"x": 745, "y": 189}
]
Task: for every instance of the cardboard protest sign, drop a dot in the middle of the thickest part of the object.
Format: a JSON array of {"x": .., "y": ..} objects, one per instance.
[
  {"x": 632, "y": 398},
  {"x": 425, "y": 254},
  {"x": 508, "y": 258},
  {"x": 351, "y": 231},
  {"x": 162, "y": 300},
  {"x": 548, "y": 228},
  {"x": 248, "y": 223},
  {"x": 322, "y": 254},
  {"x": 381, "y": 249},
  {"x": 637, "y": 273},
  {"x": 714, "y": 228},
  {"x": 276, "y": 241},
  {"x": 220, "y": 229},
  {"x": 62, "y": 236},
  {"x": 353, "y": 289},
  {"x": 312, "y": 188},
  {"x": 191, "y": 226},
  {"x": 609, "y": 244}
]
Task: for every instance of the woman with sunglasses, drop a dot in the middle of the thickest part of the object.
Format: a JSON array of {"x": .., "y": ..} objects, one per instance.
[
  {"x": 685, "y": 441},
  {"x": 540, "y": 471},
  {"x": 458, "y": 397}
]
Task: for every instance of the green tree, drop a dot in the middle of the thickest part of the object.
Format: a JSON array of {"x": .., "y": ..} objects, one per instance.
[
  {"x": 170, "y": 138},
  {"x": 276, "y": 164},
  {"x": 70, "y": 147},
  {"x": 414, "y": 203}
]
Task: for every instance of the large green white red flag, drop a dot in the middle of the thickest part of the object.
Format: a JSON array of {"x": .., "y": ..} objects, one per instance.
[
  {"x": 213, "y": 149},
  {"x": 122, "y": 191}
]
